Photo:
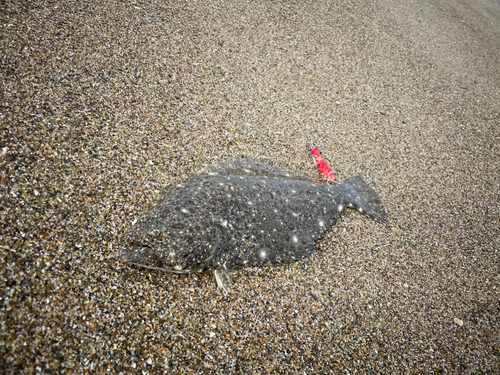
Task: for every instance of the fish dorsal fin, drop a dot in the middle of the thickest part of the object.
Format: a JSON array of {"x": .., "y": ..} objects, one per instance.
[{"x": 246, "y": 166}]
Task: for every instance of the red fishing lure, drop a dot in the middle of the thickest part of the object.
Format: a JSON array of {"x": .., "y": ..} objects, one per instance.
[{"x": 320, "y": 163}]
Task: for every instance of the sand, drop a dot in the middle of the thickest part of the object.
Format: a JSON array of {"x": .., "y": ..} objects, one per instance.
[{"x": 106, "y": 104}]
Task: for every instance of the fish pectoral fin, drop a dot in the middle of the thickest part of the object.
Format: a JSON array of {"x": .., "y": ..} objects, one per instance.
[{"x": 223, "y": 280}]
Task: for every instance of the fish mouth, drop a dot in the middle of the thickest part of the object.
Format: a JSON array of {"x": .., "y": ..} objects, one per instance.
[
  {"x": 143, "y": 256},
  {"x": 138, "y": 254},
  {"x": 132, "y": 254},
  {"x": 132, "y": 257},
  {"x": 160, "y": 268},
  {"x": 126, "y": 256}
]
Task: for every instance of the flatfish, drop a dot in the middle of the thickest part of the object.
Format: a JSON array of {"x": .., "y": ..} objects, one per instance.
[{"x": 241, "y": 213}]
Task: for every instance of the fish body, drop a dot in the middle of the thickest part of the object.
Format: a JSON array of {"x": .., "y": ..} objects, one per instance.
[{"x": 238, "y": 214}]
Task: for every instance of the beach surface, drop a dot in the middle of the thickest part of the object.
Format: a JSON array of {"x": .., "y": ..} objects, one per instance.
[{"x": 105, "y": 104}]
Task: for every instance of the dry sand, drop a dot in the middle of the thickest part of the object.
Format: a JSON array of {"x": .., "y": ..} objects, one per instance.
[{"x": 105, "y": 104}]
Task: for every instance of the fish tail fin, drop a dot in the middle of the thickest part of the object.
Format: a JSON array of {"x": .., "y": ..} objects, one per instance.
[{"x": 359, "y": 195}]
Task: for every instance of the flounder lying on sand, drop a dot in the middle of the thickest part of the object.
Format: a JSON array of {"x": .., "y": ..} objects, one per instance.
[{"x": 241, "y": 213}]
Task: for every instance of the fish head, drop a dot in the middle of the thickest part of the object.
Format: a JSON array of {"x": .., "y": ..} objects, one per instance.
[{"x": 174, "y": 245}]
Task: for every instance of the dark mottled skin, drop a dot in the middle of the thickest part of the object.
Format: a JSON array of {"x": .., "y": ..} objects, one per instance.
[{"x": 244, "y": 213}]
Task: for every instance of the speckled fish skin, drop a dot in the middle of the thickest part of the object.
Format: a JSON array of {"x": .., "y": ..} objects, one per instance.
[{"x": 241, "y": 213}]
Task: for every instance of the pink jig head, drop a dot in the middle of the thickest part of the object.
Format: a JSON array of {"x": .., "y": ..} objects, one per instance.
[{"x": 320, "y": 163}]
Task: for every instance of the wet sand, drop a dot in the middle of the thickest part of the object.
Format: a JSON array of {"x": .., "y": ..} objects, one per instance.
[{"x": 105, "y": 106}]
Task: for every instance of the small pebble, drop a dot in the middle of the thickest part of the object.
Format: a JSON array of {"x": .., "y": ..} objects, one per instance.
[{"x": 458, "y": 321}]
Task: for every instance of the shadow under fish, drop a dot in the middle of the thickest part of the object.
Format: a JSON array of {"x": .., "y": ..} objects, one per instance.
[{"x": 241, "y": 213}]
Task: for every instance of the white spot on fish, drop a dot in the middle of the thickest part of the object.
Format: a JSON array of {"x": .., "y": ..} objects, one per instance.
[
  {"x": 178, "y": 267},
  {"x": 250, "y": 203},
  {"x": 224, "y": 223},
  {"x": 321, "y": 223},
  {"x": 360, "y": 209},
  {"x": 263, "y": 254},
  {"x": 246, "y": 170},
  {"x": 295, "y": 239},
  {"x": 184, "y": 210},
  {"x": 340, "y": 207}
]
